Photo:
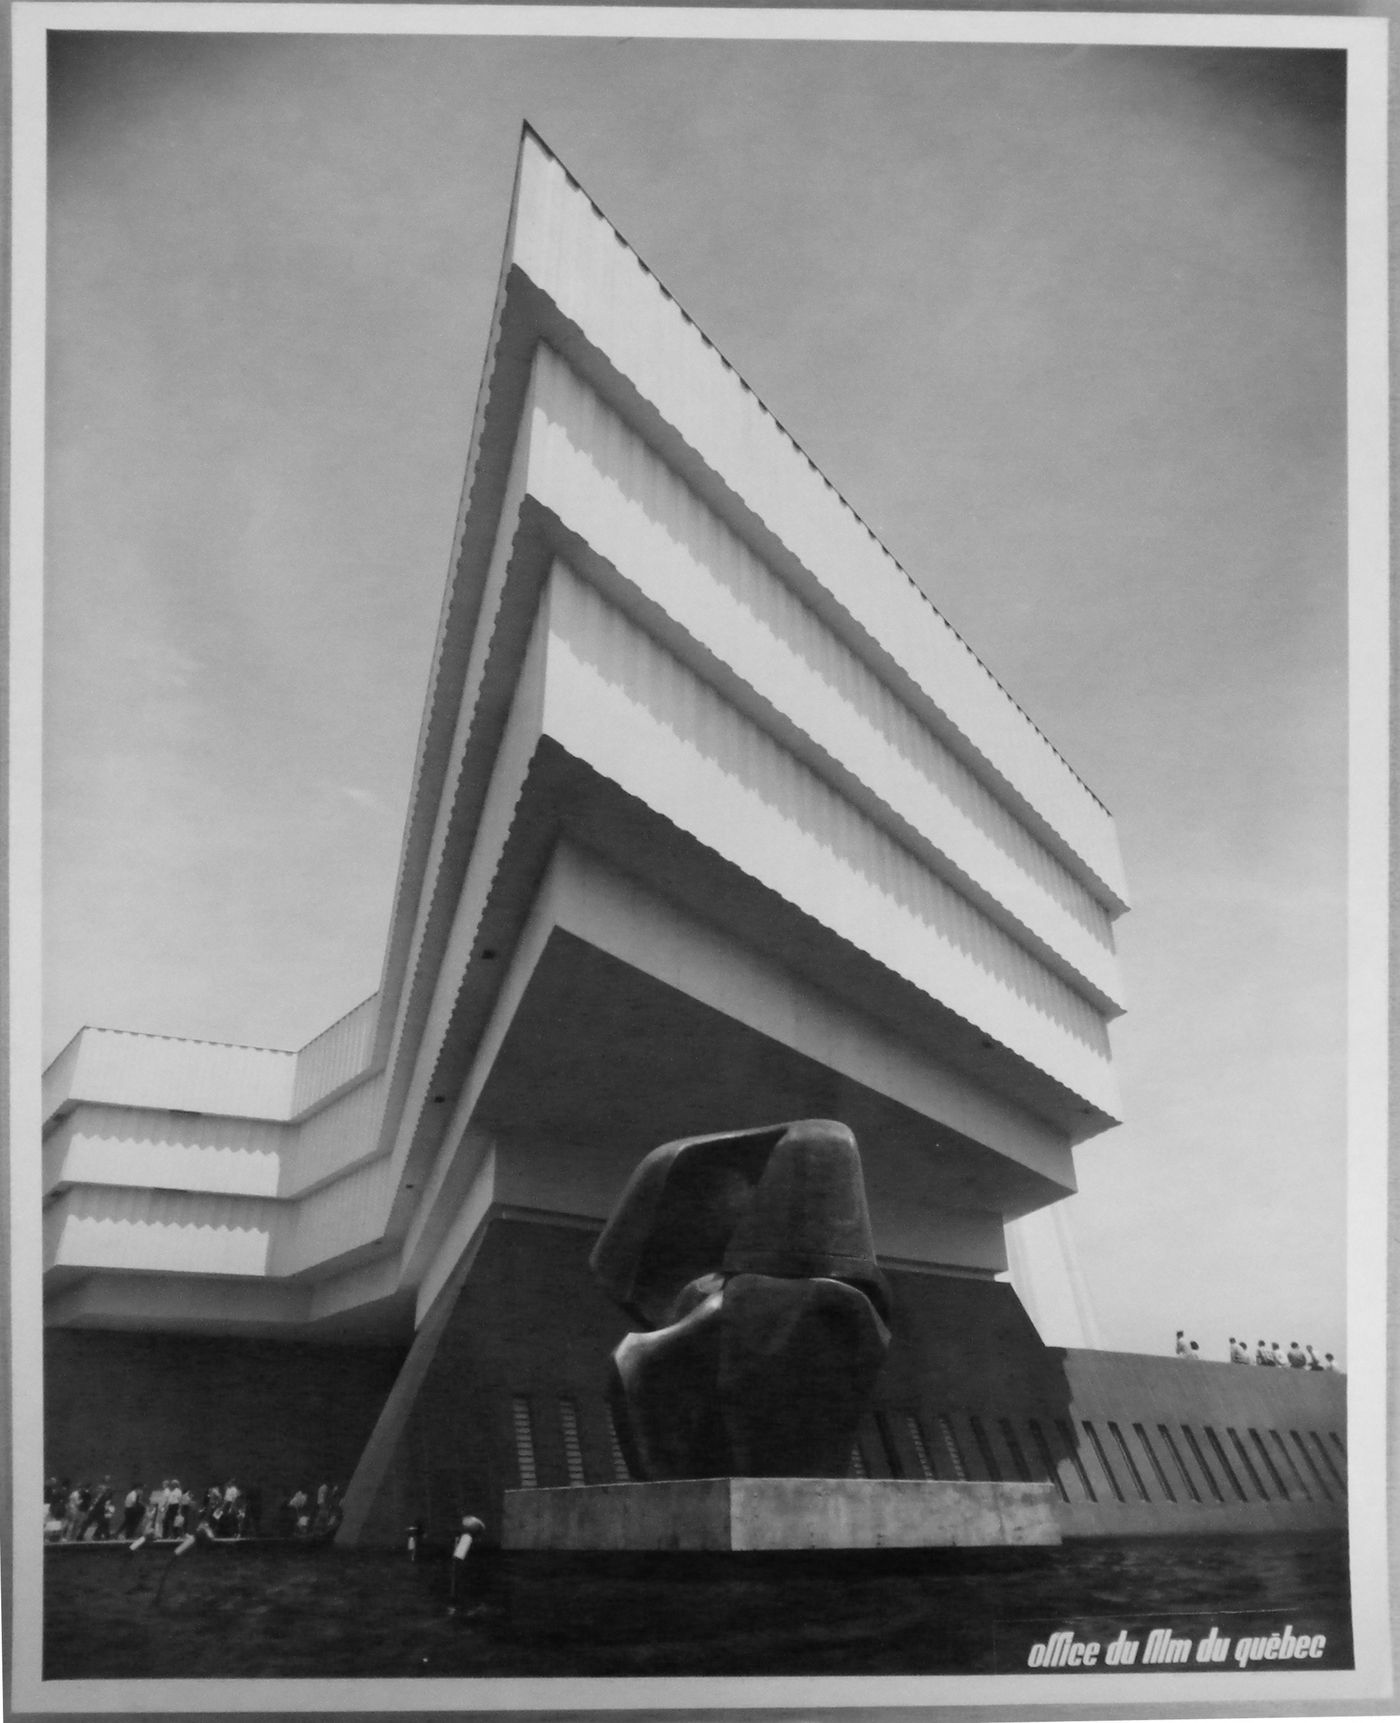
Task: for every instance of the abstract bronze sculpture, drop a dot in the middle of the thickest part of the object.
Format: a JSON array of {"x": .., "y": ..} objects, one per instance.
[{"x": 748, "y": 1258}]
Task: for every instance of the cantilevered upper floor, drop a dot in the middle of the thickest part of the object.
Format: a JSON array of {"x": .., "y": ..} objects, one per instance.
[{"x": 714, "y": 820}]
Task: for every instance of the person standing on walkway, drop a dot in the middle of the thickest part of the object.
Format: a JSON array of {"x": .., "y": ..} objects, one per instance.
[{"x": 471, "y": 1529}]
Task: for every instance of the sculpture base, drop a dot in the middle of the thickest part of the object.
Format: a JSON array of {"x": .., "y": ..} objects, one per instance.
[{"x": 779, "y": 1514}]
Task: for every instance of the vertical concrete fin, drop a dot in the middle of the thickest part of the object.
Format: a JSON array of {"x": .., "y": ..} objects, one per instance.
[{"x": 370, "y": 1513}]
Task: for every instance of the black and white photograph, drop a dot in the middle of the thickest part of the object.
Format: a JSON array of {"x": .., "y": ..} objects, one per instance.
[{"x": 698, "y": 859}]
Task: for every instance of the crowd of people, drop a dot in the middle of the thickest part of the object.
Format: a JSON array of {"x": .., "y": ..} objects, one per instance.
[
  {"x": 1270, "y": 1356},
  {"x": 103, "y": 1512}
]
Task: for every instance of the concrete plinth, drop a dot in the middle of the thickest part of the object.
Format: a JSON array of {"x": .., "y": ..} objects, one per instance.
[{"x": 779, "y": 1514}]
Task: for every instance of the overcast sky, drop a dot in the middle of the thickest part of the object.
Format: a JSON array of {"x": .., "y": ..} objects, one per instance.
[{"x": 1064, "y": 325}]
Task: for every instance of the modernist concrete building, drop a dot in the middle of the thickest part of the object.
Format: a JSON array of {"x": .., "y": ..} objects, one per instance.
[{"x": 714, "y": 821}]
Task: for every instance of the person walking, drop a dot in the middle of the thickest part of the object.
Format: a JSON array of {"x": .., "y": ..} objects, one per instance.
[
  {"x": 55, "y": 1495},
  {"x": 133, "y": 1512},
  {"x": 95, "y": 1523},
  {"x": 471, "y": 1529}
]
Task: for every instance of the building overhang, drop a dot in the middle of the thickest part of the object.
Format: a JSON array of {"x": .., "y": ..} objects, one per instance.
[{"x": 714, "y": 820}]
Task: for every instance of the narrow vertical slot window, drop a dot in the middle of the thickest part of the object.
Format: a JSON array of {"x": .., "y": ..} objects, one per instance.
[
  {"x": 916, "y": 1438},
  {"x": 1129, "y": 1462},
  {"x": 621, "y": 1472},
  {"x": 1225, "y": 1465},
  {"x": 951, "y": 1448},
  {"x": 1072, "y": 1449},
  {"x": 1328, "y": 1462},
  {"x": 883, "y": 1423},
  {"x": 524, "y": 1443},
  {"x": 1200, "y": 1460},
  {"x": 1179, "y": 1463},
  {"x": 1311, "y": 1464},
  {"x": 984, "y": 1448},
  {"x": 1047, "y": 1459},
  {"x": 1163, "y": 1481},
  {"x": 1269, "y": 1465},
  {"x": 1102, "y": 1458},
  {"x": 1248, "y": 1464},
  {"x": 1292, "y": 1465},
  {"x": 1017, "y": 1453},
  {"x": 573, "y": 1450}
]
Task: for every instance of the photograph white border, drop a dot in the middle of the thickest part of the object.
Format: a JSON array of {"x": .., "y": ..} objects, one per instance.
[{"x": 1366, "y": 42}]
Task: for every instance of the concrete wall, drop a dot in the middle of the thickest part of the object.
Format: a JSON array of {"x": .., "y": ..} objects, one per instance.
[
  {"x": 513, "y": 1391},
  {"x": 780, "y": 1514},
  {"x": 1221, "y": 1447},
  {"x": 149, "y": 1406},
  {"x": 1134, "y": 1443},
  {"x": 510, "y": 1394},
  {"x": 507, "y": 1390},
  {"x": 125, "y": 1069}
]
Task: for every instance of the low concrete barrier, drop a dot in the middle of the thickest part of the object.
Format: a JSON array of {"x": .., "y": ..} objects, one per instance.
[{"x": 779, "y": 1514}]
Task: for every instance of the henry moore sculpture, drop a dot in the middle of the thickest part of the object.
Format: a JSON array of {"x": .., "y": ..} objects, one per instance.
[{"x": 748, "y": 1259}]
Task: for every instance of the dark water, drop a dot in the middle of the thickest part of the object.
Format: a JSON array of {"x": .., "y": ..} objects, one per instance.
[{"x": 286, "y": 1610}]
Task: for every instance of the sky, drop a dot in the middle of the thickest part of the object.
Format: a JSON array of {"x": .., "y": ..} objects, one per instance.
[{"x": 1065, "y": 325}]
